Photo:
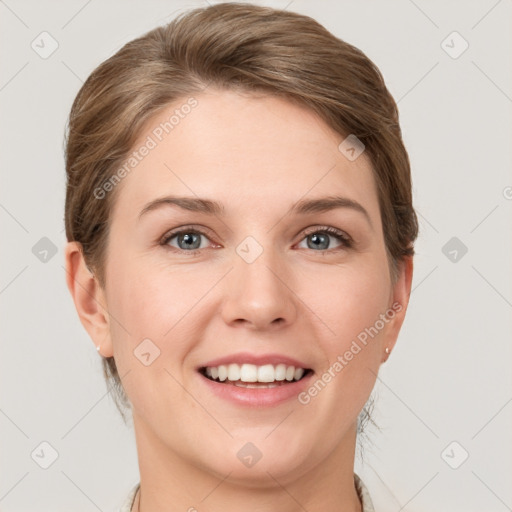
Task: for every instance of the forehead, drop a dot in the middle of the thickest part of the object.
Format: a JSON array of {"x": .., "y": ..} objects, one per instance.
[{"x": 246, "y": 151}]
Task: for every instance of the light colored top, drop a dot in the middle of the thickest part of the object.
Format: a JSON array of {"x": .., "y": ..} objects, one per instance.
[{"x": 362, "y": 491}]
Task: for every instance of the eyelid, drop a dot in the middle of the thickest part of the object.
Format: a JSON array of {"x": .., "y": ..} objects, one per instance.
[
  {"x": 328, "y": 229},
  {"x": 200, "y": 230}
]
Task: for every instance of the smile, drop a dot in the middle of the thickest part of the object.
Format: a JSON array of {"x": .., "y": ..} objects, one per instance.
[{"x": 251, "y": 375}]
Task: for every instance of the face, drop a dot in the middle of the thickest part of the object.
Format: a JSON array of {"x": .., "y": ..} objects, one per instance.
[{"x": 255, "y": 282}]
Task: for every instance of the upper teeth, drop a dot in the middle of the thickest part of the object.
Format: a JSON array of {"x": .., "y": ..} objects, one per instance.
[{"x": 253, "y": 373}]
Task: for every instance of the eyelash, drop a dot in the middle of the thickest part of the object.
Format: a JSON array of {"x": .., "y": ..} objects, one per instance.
[{"x": 345, "y": 240}]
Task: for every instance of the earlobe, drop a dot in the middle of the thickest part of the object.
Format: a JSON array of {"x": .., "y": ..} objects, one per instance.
[{"x": 88, "y": 297}]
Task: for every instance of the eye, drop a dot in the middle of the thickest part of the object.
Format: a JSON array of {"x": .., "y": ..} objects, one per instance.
[
  {"x": 188, "y": 240},
  {"x": 318, "y": 238}
]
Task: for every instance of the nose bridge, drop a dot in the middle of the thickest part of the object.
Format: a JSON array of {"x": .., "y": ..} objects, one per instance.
[{"x": 258, "y": 291}]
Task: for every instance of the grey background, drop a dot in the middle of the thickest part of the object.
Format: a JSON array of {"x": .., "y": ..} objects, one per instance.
[{"x": 449, "y": 376}]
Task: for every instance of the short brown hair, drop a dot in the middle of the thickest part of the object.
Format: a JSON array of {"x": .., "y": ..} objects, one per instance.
[{"x": 230, "y": 46}]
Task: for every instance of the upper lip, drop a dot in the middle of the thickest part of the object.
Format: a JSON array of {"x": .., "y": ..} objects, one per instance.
[{"x": 258, "y": 360}]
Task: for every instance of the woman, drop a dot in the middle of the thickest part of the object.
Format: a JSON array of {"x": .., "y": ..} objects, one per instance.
[{"x": 240, "y": 239}]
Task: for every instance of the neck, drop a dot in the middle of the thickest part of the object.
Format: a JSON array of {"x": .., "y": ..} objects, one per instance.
[{"x": 170, "y": 483}]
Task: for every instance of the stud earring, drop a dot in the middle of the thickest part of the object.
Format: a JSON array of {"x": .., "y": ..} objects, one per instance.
[{"x": 387, "y": 351}]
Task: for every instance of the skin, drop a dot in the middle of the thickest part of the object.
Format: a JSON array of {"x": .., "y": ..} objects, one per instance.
[{"x": 257, "y": 155}]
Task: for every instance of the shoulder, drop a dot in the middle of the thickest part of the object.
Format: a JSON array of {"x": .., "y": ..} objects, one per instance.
[{"x": 128, "y": 502}]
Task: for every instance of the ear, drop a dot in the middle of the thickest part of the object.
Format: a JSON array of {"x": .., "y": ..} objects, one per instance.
[
  {"x": 88, "y": 297},
  {"x": 400, "y": 294}
]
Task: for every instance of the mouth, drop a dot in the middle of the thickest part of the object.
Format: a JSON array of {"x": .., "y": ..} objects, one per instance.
[{"x": 254, "y": 376}]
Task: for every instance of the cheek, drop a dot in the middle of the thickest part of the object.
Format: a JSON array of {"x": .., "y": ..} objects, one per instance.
[
  {"x": 348, "y": 301},
  {"x": 155, "y": 302},
  {"x": 153, "y": 327},
  {"x": 349, "y": 309},
  {"x": 353, "y": 311}
]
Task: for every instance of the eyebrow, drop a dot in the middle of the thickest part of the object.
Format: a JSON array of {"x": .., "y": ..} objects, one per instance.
[{"x": 302, "y": 207}]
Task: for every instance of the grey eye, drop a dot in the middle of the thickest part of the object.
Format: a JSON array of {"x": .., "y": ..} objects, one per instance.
[
  {"x": 187, "y": 240},
  {"x": 318, "y": 241}
]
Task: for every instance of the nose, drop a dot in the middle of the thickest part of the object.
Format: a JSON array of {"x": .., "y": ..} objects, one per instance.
[{"x": 259, "y": 294}]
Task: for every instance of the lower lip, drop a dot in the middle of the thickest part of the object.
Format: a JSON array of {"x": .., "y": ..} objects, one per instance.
[{"x": 257, "y": 397}]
